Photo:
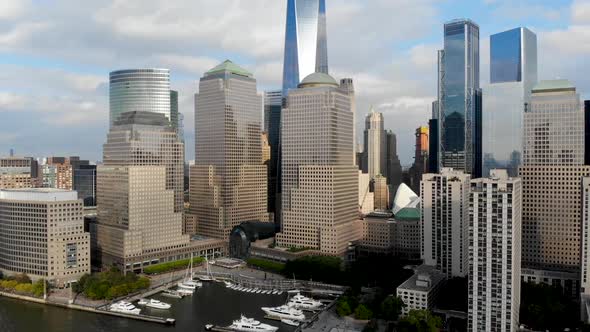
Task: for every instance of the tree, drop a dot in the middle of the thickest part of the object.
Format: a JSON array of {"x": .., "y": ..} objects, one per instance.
[
  {"x": 342, "y": 307},
  {"x": 420, "y": 321},
  {"x": 362, "y": 312},
  {"x": 391, "y": 308}
]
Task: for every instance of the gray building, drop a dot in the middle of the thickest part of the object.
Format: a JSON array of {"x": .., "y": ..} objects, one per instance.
[
  {"x": 513, "y": 73},
  {"x": 494, "y": 253},
  {"x": 141, "y": 90},
  {"x": 374, "y": 151},
  {"x": 459, "y": 113},
  {"x": 228, "y": 183}
]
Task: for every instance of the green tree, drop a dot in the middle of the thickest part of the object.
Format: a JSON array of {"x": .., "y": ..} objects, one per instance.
[
  {"x": 391, "y": 308},
  {"x": 362, "y": 312},
  {"x": 342, "y": 307},
  {"x": 420, "y": 321}
]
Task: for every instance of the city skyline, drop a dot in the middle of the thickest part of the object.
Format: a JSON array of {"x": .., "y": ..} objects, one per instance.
[{"x": 63, "y": 93}]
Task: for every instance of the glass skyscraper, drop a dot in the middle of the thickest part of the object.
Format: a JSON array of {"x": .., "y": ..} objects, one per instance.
[
  {"x": 272, "y": 125},
  {"x": 306, "y": 49},
  {"x": 139, "y": 90},
  {"x": 460, "y": 97},
  {"x": 513, "y": 73}
]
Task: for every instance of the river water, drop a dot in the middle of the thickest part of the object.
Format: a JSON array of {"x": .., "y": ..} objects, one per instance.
[{"x": 211, "y": 304}]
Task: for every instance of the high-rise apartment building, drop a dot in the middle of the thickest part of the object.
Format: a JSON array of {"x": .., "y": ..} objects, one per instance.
[
  {"x": 17, "y": 172},
  {"x": 494, "y": 253},
  {"x": 306, "y": 41},
  {"x": 585, "y": 252},
  {"x": 552, "y": 171},
  {"x": 374, "y": 151},
  {"x": 272, "y": 126},
  {"x": 445, "y": 227},
  {"x": 513, "y": 73},
  {"x": 228, "y": 181},
  {"x": 141, "y": 90},
  {"x": 320, "y": 180},
  {"x": 459, "y": 103},
  {"x": 42, "y": 235}
]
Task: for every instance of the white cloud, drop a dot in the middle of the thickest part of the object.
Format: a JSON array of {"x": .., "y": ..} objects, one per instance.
[
  {"x": 11, "y": 9},
  {"x": 581, "y": 12}
]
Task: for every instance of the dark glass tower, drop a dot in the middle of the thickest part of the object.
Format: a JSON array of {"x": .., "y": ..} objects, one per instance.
[
  {"x": 458, "y": 96},
  {"x": 85, "y": 183},
  {"x": 306, "y": 49},
  {"x": 272, "y": 125}
]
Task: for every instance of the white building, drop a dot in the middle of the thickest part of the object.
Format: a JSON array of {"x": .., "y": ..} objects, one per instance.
[
  {"x": 444, "y": 220},
  {"x": 420, "y": 291},
  {"x": 494, "y": 252}
]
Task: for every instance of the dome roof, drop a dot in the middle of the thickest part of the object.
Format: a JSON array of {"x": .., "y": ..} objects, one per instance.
[{"x": 318, "y": 79}]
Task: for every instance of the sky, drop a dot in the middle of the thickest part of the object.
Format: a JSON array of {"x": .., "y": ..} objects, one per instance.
[{"x": 55, "y": 57}]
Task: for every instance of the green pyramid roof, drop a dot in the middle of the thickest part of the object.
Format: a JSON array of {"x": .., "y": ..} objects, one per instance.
[
  {"x": 408, "y": 213},
  {"x": 228, "y": 66}
]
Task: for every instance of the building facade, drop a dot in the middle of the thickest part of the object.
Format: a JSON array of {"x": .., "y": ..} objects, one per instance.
[
  {"x": 381, "y": 193},
  {"x": 319, "y": 178},
  {"x": 393, "y": 166},
  {"x": 42, "y": 235},
  {"x": 374, "y": 151},
  {"x": 228, "y": 181},
  {"x": 366, "y": 197},
  {"x": 494, "y": 253},
  {"x": 444, "y": 220},
  {"x": 513, "y": 73},
  {"x": 272, "y": 126},
  {"x": 552, "y": 172},
  {"x": 459, "y": 102},
  {"x": 420, "y": 291},
  {"x": 142, "y": 90},
  {"x": 306, "y": 42},
  {"x": 84, "y": 182},
  {"x": 17, "y": 172}
]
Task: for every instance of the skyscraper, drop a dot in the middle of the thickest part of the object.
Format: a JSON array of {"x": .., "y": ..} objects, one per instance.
[
  {"x": 494, "y": 252},
  {"x": 393, "y": 167},
  {"x": 552, "y": 171},
  {"x": 16, "y": 172},
  {"x": 513, "y": 73},
  {"x": 272, "y": 125},
  {"x": 420, "y": 165},
  {"x": 228, "y": 180},
  {"x": 84, "y": 183},
  {"x": 320, "y": 180},
  {"x": 142, "y": 90},
  {"x": 381, "y": 193},
  {"x": 306, "y": 45},
  {"x": 445, "y": 227},
  {"x": 374, "y": 151},
  {"x": 460, "y": 97}
]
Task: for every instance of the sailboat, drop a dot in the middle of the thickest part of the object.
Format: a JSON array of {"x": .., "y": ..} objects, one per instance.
[
  {"x": 208, "y": 276},
  {"x": 188, "y": 283}
]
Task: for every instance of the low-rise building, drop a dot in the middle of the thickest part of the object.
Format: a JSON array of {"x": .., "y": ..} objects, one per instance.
[
  {"x": 420, "y": 291},
  {"x": 42, "y": 235},
  {"x": 407, "y": 239}
]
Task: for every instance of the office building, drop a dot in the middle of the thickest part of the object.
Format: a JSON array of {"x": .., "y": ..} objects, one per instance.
[
  {"x": 366, "y": 197},
  {"x": 552, "y": 172},
  {"x": 420, "y": 165},
  {"x": 17, "y": 172},
  {"x": 265, "y": 149},
  {"x": 228, "y": 181},
  {"x": 381, "y": 193},
  {"x": 513, "y": 73},
  {"x": 434, "y": 137},
  {"x": 141, "y": 90},
  {"x": 444, "y": 213},
  {"x": 306, "y": 42},
  {"x": 494, "y": 253},
  {"x": 393, "y": 167},
  {"x": 585, "y": 252},
  {"x": 407, "y": 240},
  {"x": 374, "y": 151},
  {"x": 459, "y": 103},
  {"x": 84, "y": 182},
  {"x": 320, "y": 180},
  {"x": 272, "y": 126},
  {"x": 42, "y": 235},
  {"x": 421, "y": 290}
]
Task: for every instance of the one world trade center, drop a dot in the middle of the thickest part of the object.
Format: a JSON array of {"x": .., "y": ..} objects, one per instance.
[{"x": 306, "y": 49}]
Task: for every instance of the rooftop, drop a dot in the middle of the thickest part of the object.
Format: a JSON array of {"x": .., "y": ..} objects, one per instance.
[
  {"x": 424, "y": 279},
  {"x": 408, "y": 213},
  {"x": 554, "y": 86},
  {"x": 229, "y": 67},
  {"x": 38, "y": 194},
  {"x": 318, "y": 79}
]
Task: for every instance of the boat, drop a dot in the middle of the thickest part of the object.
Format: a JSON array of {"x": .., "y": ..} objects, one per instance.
[
  {"x": 290, "y": 322},
  {"x": 143, "y": 301},
  {"x": 209, "y": 326},
  {"x": 275, "y": 292},
  {"x": 172, "y": 293},
  {"x": 208, "y": 276},
  {"x": 227, "y": 284},
  {"x": 257, "y": 291},
  {"x": 294, "y": 291},
  {"x": 251, "y": 325},
  {"x": 301, "y": 302},
  {"x": 188, "y": 282},
  {"x": 284, "y": 312},
  {"x": 184, "y": 291},
  {"x": 155, "y": 304},
  {"x": 125, "y": 308}
]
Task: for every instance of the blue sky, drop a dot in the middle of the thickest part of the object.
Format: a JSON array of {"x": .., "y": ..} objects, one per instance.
[{"x": 55, "y": 56}]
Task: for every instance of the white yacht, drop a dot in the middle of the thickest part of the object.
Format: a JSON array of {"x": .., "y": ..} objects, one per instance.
[
  {"x": 284, "y": 312},
  {"x": 185, "y": 292},
  {"x": 251, "y": 325},
  {"x": 172, "y": 293},
  {"x": 125, "y": 308},
  {"x": 189, "y": 284},
  {"x": 155, "y": 304},
  {"x": 301, "y": 302},
  {"x": 143, "y": 301},
  {"x": 290, "y": 322}
]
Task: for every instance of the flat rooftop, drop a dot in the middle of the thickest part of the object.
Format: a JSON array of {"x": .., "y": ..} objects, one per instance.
[
  {"x": 424, "y": 279},
  {"x": 38, "y": 194}
]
